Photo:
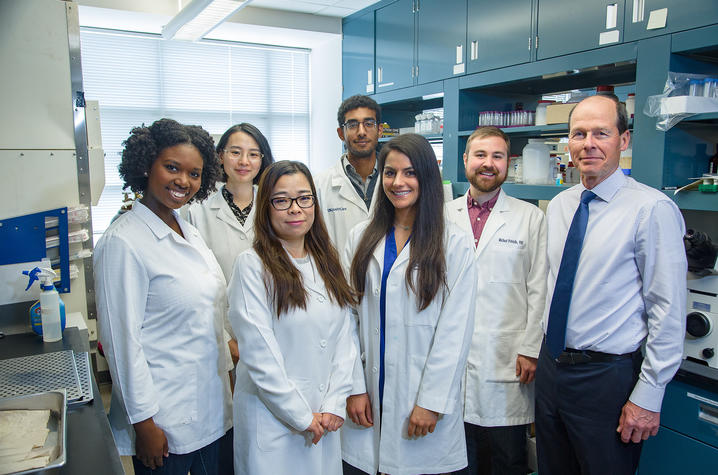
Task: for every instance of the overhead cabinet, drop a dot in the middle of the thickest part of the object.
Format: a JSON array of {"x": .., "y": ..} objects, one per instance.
[
  {"x": 646, "y": 18},
  {"x": 516, "y": 51},
  {"x": 358, "y": 55},
  {"x": 441, "y": 39},
  {"x": 566, "y": 27},
  {"x": 395, "y": 46},
  {"x": 419, "y": 41},
  {"x": 499, "y": 34}
]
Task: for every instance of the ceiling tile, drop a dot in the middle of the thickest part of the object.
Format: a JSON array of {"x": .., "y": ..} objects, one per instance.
[{"x": 336, "y": 11}]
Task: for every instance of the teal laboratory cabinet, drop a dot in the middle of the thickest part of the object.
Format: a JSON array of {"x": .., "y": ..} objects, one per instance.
[
  {"x": 566, "y": 27},
  {"x": 499, "y": 33},
  {"x": 643, "y": 17},
  {"x": 419, "y": 41},
  {"x": 502, "y": 74},
  {"x": 687, "y": 441},
  {"x": 394, "y": 40},
  {"x": 358, "y": 55},
  {"x": 440, "y": 39}
]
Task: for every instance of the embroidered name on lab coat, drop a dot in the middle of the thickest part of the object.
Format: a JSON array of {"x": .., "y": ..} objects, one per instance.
[
  {"x": 510, "y": 243},
  {"x": 334, "y": 210}
]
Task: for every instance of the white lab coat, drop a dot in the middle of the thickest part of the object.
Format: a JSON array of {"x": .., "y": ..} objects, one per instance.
[
  {"x": 511, "y": 292},
  {"x": 221, "y": 229},
  {"x": 291, "y": 367},
  {"x": 425, "y": 359},
  {"x": 342, "y": 207},
  {"x": 161, "y": 301}
]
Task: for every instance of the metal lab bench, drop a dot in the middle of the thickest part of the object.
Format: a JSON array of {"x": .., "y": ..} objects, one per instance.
[{"x": 90, "y": 446}]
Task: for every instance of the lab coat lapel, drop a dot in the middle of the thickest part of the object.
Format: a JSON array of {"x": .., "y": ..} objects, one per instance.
[
  {"x": 496, "y": 220},
  {"x": 224, "y": 212},
  {"x": 458, "y": 208},
  {"x": 318, "y": 286},
  {"x": 379, "y": 253},
  {"x": 347, "y": 191}
]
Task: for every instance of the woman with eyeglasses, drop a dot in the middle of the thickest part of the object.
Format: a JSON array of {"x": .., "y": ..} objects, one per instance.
[
  {"x": 290, "y": 306},
  {"x": 226, "y": 219},
  {"x": 413, "y": 274},
  {"x": 161, "y": 304}
]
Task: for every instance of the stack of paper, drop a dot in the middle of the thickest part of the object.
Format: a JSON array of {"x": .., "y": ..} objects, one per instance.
[{"x": 22, "y": 438}]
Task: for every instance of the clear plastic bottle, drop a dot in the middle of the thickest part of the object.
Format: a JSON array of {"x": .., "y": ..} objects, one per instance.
[
  {"x": 50, "y": 309},
  {"x": 538, "y": 166},
  {"x": 50, "y": 302},
  {"x": 695, "y": 87}
]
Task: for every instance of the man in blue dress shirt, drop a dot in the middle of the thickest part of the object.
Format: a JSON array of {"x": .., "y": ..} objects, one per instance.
[{"x": 597, "y": 396}]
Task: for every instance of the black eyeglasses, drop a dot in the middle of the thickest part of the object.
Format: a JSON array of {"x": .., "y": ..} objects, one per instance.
[
  {"x": 353, "y": 124},
  {"x": 282, "y": 204}
]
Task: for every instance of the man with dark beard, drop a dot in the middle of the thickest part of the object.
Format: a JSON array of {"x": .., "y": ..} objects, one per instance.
[
  {"x": 346, "y": 190},
  {"x": 510, "y": 239}
]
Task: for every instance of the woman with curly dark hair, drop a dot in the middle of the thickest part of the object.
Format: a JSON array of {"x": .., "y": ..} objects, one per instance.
[{"x": 161, "y": 301}]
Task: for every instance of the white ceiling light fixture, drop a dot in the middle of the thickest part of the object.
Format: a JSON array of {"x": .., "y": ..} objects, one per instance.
[{"x": 199, "y": 17}]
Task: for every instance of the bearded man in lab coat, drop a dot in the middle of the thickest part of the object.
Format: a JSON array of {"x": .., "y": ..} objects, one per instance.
[
  {"x": 346, "y": 191},
  {"x": 510, "y": 239}
]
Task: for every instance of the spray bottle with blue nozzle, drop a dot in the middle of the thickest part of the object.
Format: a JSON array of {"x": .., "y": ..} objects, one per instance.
[{"x": 50, "y": 307}]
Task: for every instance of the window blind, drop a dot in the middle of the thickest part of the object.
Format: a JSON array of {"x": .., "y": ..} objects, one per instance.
[{"x": 139, "y": 78}]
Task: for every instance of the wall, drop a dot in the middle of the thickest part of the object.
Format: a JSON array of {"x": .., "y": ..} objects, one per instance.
[{"x": 254, "y": 25}]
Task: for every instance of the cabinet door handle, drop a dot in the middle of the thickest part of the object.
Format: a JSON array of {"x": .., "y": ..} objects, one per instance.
[
  {"x": 611, "y": 15},
  {"x": 708, "y": 414},
  {"x": 379, "y": 75},
  {"x": 638, "y": 10},
  {"x": 475, "y": 50},
  {"x": 369, "y": 78},
  {"x": 459, "y": 54}
]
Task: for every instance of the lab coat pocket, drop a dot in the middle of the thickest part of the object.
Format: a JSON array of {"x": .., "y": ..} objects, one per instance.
[
  {"x": 427, "y": 317},
  {"x": 500, "y": 362},
  {"x": 179, "y": 390},
  {"x": 272, "y": 432},
  {"x": 507, "y": 265},
  {"x": 416, "y": 371}
]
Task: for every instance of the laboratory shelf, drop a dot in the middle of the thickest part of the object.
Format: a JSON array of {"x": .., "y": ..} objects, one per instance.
[
  {"x": 429, "y": 137},
  {"x": 695, "y": 200},
  {"x": 534, "y": 130},
  {"x": 528, "y": 131},
  {"x": 521, "y": 191},
  {"x": 706, "y": 117}
]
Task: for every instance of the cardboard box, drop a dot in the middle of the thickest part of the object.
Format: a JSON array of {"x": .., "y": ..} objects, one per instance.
[{"x": 558, "y": 113}]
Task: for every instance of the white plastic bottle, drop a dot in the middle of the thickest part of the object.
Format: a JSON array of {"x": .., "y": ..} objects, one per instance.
[
  {"x": 49, "y": 307},
  {"x": 537, "y": 163}
]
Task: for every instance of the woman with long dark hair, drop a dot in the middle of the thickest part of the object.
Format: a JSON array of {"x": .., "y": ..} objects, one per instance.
[
  {"x": 290, "y": 306},
  {"x": 413, "y": 274}
]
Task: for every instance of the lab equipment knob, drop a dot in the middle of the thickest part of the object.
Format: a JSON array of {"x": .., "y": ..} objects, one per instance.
[
  {"x": 697, "y": 325},
  {"x": 708, "y": 353}
]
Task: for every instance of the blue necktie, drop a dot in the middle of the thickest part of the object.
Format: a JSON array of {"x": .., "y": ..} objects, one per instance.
[{"x": 561, "y": 301}]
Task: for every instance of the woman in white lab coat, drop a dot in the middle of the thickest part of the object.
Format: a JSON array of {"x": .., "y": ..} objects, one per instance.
[
  {"x": 289, "y": 304},
  {"x": 226, "y": 218},
  {"x": 161, "y": 301},
  {"x": 414, "y": 275}
]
